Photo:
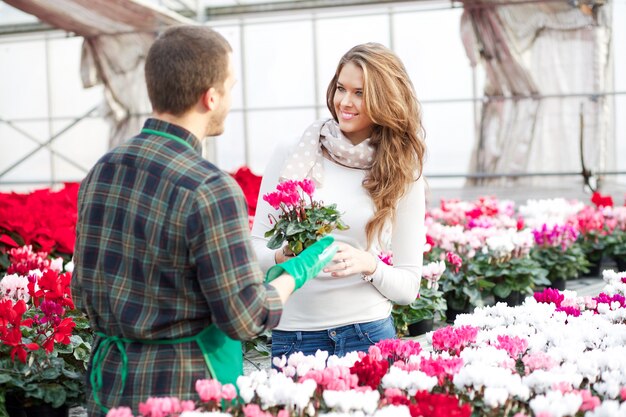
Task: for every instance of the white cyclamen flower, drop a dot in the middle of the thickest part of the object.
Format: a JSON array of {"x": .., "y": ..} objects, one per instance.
[
  {"x": 408, "y": 381},
  {"x": 393, "y": 411},
  {"x": 556, "y": 404},
  {"x": 345, "y": 401}
]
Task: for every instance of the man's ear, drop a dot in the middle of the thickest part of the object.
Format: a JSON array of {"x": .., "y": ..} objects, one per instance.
[{"x": 210, "y": 99}]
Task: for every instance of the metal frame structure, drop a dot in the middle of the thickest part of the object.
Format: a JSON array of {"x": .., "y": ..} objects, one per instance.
[{"x": 285, "y": 11}]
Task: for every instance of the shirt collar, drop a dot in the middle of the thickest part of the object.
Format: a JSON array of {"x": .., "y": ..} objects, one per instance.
[{"x": 176, "y": 130}]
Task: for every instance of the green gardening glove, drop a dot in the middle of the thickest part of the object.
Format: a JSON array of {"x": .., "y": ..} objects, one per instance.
[{"x": 307, "y": 264}]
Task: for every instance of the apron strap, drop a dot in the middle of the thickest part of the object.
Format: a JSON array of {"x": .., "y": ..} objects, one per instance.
[{"x": 120, "y": 343}]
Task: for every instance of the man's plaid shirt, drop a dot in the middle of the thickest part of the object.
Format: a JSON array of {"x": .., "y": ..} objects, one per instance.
[{"x": 162, "y": 251}]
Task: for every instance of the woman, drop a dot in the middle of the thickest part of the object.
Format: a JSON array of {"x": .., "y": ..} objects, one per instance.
[{"x": 368, "y": 160}]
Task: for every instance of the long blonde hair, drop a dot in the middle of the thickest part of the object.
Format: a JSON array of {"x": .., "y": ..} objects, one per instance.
[{"x": 398, "y": 135}]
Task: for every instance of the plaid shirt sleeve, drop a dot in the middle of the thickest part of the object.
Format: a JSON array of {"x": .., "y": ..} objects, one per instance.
[{"x": 241, "y": 304}]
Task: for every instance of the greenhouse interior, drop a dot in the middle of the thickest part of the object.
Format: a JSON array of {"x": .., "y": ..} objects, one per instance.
[{"x": 480, "y": 270}]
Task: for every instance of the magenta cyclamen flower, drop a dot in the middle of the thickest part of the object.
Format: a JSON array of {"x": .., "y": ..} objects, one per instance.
[
  {"x": 549, "y": 295},
  {"x": 307, "y": 186},
  {"x": 562, "y": 236},
  {"x": 395, "y": 349},
  {"x": 569, "y": 310},
  {"x": 610, "y": 299}
]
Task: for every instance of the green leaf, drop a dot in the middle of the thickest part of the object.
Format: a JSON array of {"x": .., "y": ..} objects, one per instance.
[
  {"x": 82, "y": 352},
  {"x": 294, "y": 228},
  {"x": 276, "y": 241},
  {"x": 54, "y": 395},
  {"x": 502, "y": 290},
  {"x": 51, "y": 373}
]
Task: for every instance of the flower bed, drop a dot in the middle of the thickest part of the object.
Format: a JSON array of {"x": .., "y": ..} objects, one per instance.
[
  {"x": 45, "y": 342},
  {"x": 556, "y": 355}
]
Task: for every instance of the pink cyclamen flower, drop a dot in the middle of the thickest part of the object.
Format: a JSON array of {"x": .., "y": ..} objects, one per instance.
[
  {"x": 229, "y": 392},
  {"x": 160, "y": 407},
  {"x": 455, "y": 260},
  {"x": 253, "y": 410},
  {"x": 514, "y": 346},
  {"x": 538, "y": 360},
  {"x": 441, "y": 367},
  {"x": 120, "y": 412},
  {"x": 454, "y": 339},
  {"x": 622, "y": 393},
  {"x": 209, "y": 389},
  {"x": 590, "y": 402}
]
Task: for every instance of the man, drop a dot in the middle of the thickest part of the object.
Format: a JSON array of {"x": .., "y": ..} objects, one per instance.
[{"x": 164, "y": 268}]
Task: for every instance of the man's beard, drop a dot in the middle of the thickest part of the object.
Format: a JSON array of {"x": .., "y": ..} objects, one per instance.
[{"x": 215, "y": 126}]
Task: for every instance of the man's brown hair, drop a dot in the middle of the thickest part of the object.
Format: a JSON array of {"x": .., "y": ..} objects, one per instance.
[{"x": 182, "y": 64}]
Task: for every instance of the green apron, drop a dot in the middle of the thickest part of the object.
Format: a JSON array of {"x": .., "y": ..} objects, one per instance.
[{"x": 223, "y": 356}]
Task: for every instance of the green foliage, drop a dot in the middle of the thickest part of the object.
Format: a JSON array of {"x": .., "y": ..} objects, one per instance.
[
  {"x": 462, "y": 289},
  {"x": 259, "y": 345},
  {"x": 615, "y": 244},
  {"x": 501, "y": 276},
  {"x": 561, "y": 264},
  {"x": 428, "y": 305},
  {"x": 56, "y": 378}
]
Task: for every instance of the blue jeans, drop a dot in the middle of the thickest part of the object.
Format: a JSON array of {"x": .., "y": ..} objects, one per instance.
[{"x": 336, "y": 341}]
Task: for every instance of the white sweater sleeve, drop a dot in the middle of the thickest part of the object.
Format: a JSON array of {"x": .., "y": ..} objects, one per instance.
[
  {"x": 400, "y": 283},
  {"x": 265, "y": 255}
]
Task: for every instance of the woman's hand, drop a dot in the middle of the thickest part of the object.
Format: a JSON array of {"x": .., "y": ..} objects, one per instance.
[
  {"x": 283, "y": 254},
  {"x": 349, "y": 261}
]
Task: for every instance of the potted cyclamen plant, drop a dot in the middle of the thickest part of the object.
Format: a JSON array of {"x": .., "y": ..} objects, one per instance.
[
  {"x": 593, "y": 228},
  {"x": 616, "y": 240},
  {"x": 45, "y": 342},
  {"x": 419, "y": 316},
  {"x": 556, "y": 251},
  {"x": 302, "y": 221},
  {"x": 507, "y": 265}
]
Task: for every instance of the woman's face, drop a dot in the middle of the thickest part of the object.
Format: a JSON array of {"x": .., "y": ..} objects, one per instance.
[{"x": 355, "y": 124}]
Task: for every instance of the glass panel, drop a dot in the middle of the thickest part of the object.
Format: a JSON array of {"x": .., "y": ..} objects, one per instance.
[
  {"x": 278, "y": 64},
  {"x": 230, "y": 146},
  {"x": 231, "y": 33},
  {"x": 449, "y": 140},
  {"x": 69, "y": 97},
  {"x": 335, "y": 36},
  {"x": 620, "y": 138},
  {"x": 430, "y": 46},
  {"x": 19, "y": 140},
  {"x": 23, "y": 79},
  {"x": 83, "y": 144}
]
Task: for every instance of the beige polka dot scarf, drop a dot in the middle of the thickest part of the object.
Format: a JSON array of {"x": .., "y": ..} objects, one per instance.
[{"x": 306, "y": 160}]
